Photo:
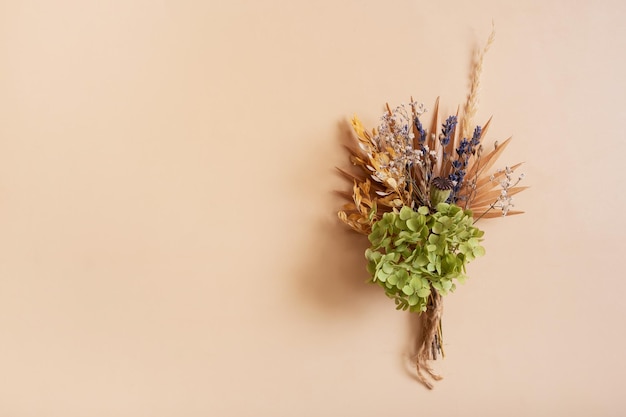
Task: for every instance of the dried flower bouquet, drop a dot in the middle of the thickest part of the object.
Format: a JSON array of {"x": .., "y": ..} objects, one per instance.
[{"x": 415, "y": 196}]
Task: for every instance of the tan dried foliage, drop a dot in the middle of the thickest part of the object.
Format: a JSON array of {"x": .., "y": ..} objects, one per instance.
[{"x": 377, "y": 189}]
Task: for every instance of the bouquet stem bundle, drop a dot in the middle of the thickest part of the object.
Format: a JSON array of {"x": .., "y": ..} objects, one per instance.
[{"x": 432, "y": 343}]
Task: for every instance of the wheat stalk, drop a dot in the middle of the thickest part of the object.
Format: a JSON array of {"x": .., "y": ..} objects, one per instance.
[{"x": 471, "y": 105}]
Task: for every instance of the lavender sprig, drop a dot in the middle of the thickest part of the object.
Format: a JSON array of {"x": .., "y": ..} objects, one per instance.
[
  {"x": 466, "y": 149},
  {"x": 447, "y": 129}
]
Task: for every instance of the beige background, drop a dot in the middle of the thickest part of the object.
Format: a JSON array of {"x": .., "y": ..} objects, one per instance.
[{"x": 168, "y": 237}]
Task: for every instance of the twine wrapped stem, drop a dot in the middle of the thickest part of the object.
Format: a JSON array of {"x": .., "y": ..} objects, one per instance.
[{"x": 432, "y": 343}]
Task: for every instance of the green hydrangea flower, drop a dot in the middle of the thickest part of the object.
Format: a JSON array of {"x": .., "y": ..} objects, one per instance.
[{"x": 416, "y": 252}]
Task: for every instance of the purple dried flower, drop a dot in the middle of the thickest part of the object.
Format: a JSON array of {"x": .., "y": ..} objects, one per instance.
[
  {"x": 447, "y": 129},
  {"x": 420, "y": 129}
]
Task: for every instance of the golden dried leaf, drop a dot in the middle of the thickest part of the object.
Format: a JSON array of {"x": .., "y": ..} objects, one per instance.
[{"x": 358, "y": 127}]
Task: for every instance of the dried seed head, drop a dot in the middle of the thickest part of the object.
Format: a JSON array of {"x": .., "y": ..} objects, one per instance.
[
  {"x": 440, "y": 189},
  {"x": 442, "y": 183}
]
